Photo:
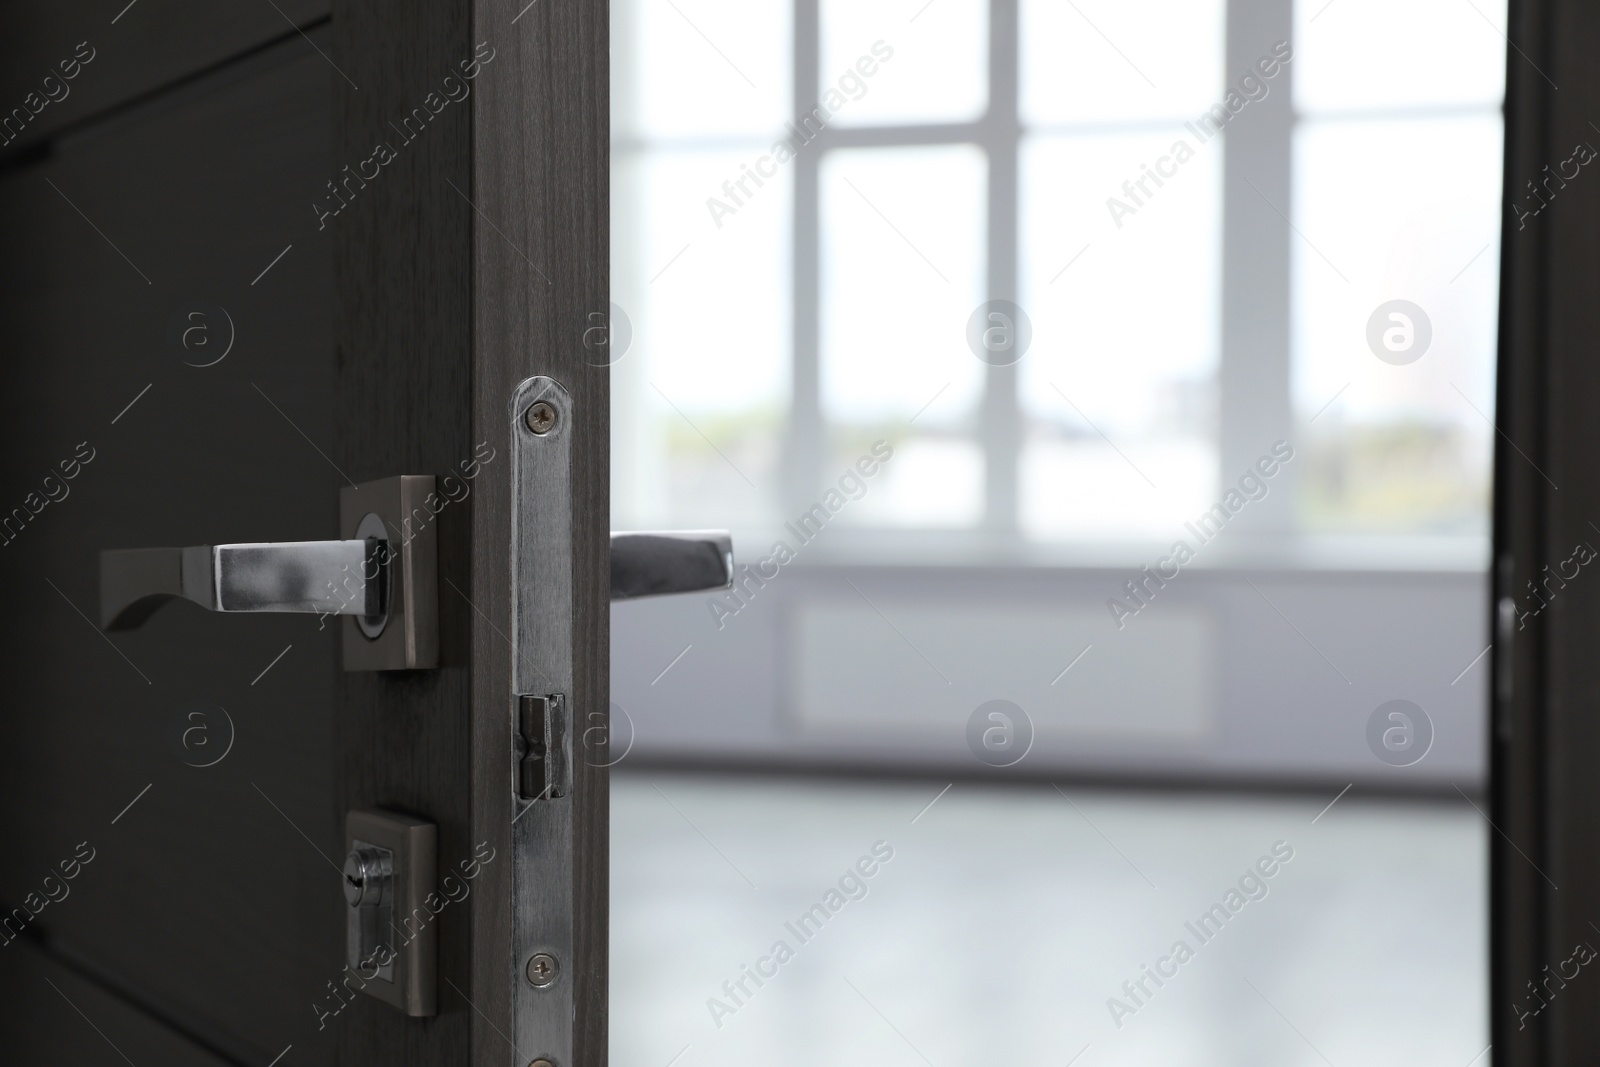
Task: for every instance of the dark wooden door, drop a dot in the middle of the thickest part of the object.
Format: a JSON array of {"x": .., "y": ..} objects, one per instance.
[
  {"x": 1545, "y": 728},
  {"x": 174, "y": 797}
]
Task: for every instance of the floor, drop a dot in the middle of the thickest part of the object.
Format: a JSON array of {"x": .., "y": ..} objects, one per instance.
[{"x": 999, "y": 925}]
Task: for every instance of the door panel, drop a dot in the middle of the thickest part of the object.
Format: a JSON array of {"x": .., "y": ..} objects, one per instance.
[
  {"x": 131, "y": 49},
  {"x": 403, "y": 374},
  {"x": 75, "y": 1019},
  {"x": 217, "y": 317},
  {"x": 208, "y": 894}
]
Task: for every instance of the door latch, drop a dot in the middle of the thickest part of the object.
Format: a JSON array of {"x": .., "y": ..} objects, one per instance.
[{"x": 544, "y": 767}]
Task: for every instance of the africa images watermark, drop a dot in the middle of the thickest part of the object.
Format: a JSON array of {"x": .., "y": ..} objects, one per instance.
[
  {"x": 851, "y": 85},
  {"x": 852, "y": 886},
  {"x": 1250, "y": 88},
  {"x": 1253, "y": 486},
  {"x": 52, "y": 890},
  {"x": 1582, "y": 554},
  {"x": 55, "y": 491},
  {"x": 352, "y": 589},
  {"x": 1582, "y": 153},
  {"x": 190, "y": 733},
  {"x": 1000, "y": 733},
  {"x": 1252, "y": 887},
  {"x": 411, "y": 126},
  {"x": 852, "y": 486},
  {"x": 1399, "y": 733},
  {"x": 55, "y": 89},
  {"x": 450, "y": 891},
  {"x": 1582, "y": 954}
]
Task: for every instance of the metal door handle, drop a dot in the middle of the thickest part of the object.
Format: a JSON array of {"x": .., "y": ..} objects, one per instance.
[
  {"x": 383, "y": 573},
  {"x": 653, "y": 564},
  {"x": 321, "y": 577},
  {"x": 353, "y": 577}
]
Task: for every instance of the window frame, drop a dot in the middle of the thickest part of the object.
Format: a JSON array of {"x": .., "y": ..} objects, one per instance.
[
  {"x": 1253, "y": 377},
  {"x": 1253, "y": 382}
]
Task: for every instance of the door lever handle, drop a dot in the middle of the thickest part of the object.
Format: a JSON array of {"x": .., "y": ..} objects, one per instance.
[
  {"x": 321, "y": 577},
  {"x": 366, "y": 577},
  {"x": 383, "y": 573},
  {"x": 352, "y": 577},
  {"x": 653, "y": 564}
]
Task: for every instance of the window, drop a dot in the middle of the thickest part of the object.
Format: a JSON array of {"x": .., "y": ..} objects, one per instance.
[
  {"x": 815, "y": 204},
  {"x": 1397, "y": 446},
  {"x": 1117, "y": 393}
]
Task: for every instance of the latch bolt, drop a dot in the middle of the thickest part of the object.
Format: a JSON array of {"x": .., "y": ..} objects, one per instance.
[{"x": 544, "y": 765}]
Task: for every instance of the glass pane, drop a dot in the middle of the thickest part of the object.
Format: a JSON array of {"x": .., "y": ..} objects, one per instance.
[
  {"x": 698, "y": 68},
  {"x": 928, "y": 61},
  {"x": 1388, "y": 54},
  {"x": 1396, "y": 409},
  {"x": 700, "y": 396},
  {"x": 1118, "y": 386},
  {"x": 902, "y": 267},
  {"x": 1098, "y": 61}
]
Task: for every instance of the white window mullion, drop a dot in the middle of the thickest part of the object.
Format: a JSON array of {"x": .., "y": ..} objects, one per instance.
[
  {"x": 806, "y": 442},
  {"x": 1253, "y": 378},
  {"x": 1001, "y": 429}
]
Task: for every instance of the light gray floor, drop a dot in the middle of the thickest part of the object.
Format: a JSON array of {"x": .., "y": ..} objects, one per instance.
[{"x": 1009, "y": 915}]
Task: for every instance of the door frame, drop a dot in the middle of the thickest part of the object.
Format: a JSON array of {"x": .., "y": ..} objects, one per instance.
[{"x": 1543, "y": 731}]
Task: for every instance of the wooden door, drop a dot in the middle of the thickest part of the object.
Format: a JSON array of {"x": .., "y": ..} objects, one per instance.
[
  {"x": 1545, "y": 722},
  {"x": 175, "y": 796}
]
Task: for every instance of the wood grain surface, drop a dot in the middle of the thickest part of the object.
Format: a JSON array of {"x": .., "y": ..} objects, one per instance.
[
  {"x": 403, "y": 371},
  {"x": 541, "y": 267},
  {"x": 467, "y": 265}
]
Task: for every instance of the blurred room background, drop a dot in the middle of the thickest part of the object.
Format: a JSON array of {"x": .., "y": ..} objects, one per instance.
[{"x": 1173, "y": 325}]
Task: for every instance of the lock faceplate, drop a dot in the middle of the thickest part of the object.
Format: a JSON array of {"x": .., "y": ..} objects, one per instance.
[{"x": 543, "y": 831}]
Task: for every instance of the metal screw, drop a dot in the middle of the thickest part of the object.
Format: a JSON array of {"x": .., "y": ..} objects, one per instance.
[
  {"x": 541, "y": 1063},
  {"x": 542, "y": 969},
  {"x": 540, "y": 418}
]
